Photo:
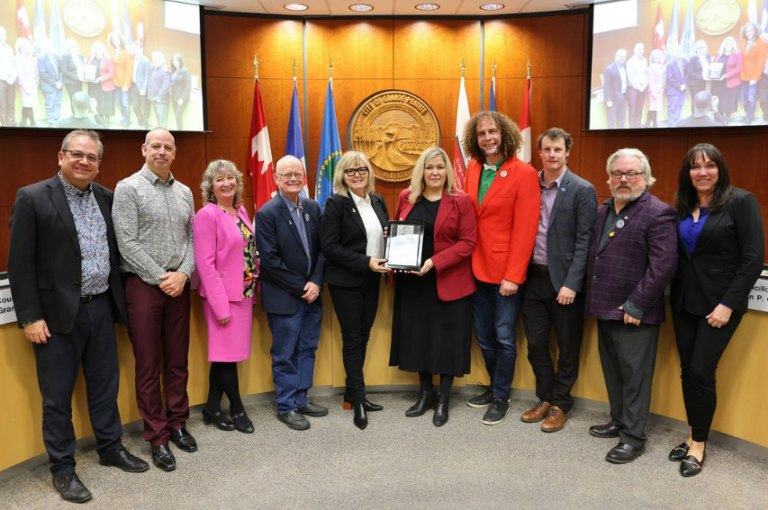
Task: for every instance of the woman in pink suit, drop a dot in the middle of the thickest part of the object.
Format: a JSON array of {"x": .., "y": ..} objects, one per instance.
[
  {"x": 225, "y": 255},
  {"x": 656, "y": 75}
]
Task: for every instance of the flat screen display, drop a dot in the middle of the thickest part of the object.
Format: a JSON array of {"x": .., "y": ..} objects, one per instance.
[
  {"x": 678, "y": 64},
  {"x": 101, "y": 64}
]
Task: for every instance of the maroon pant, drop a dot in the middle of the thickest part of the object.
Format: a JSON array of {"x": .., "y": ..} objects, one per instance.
[{"x": 159, "y": 329}]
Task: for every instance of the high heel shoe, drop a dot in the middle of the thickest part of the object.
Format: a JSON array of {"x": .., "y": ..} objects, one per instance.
[
  {"x": 242, "y": 422},
  {"x": 369, "y": 406},
  {"x": 361, "y": 419},
  {"x": 218, "y": 419},
  {"x": 440, "y": 417},
  {"x": 678, "y": 453},
  {"x": 425, "y": 402},
  {"x": 691, "y": 466}
]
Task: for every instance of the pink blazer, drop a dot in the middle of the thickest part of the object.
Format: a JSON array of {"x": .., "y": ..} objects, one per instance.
[{"x": 219, "y": 257}]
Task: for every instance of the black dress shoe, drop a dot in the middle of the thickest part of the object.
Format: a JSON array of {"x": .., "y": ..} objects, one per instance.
[
  {"x": 71, "y": 488},
  {"x": 294, "y": 420},
  {"x": 605, "y": 431},
  {"x": 691, "y": 466},
  {"x": 425, "y": 402},
  {"x": 162, "y": 457},
  {"x": 361, "y": 419},
  {"x": 624, "y": 453},
  {"x": 678, "y": 453},
  {"x": 184, "y": 440},
  {"x": 314, "y": 410},
  {"x": 370, "y": 407},
  {"x": 242, "y": 422},
  {"x": 218, "y": 419},
  {"x": 440, "y": 417},
  {"x": 123, "y": 459}
]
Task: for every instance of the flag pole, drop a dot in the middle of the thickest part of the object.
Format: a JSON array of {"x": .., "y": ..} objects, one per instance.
[
  {"x": 462, "y": 67},
  {"x": 255, "y": 67}
]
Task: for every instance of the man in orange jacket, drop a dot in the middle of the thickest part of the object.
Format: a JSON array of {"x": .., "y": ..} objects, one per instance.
[{"x": 505, "y": 194}]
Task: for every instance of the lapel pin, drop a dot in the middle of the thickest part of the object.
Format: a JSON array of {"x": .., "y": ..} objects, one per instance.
[
  {"x": 354, "y": 210},
  {"x": 290, "y": 222},
  {"x": 504, "y": 173},
  {"x": 611, "y": 234},
  {"x": 306, "y": 217},
  {"x": 562, "y": 189},
  {"x": 620, "y": 224}
]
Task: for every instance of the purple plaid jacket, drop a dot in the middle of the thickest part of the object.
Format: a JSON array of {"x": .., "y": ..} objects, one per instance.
[{"x": 637, "y": 262}]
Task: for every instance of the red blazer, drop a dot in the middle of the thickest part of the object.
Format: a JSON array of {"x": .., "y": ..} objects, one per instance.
[
  {"x": 507, "y": 221},
  {"x": 455, "y": 238},
  {"x": 106, "y": 73},
  {"x": 733, "y": 69}
]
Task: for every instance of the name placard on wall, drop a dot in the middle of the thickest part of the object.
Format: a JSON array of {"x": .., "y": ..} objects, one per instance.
[{"x": 7, "y": 310}]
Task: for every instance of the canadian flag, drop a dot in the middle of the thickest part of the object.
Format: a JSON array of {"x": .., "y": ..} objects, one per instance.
[
  {"x": 524, "y": 152},
  {"x": 22, "y": 20},
  {"x": 260, "y": 157},
  {"x": 459, "y": 153},
  {"x": 658, "y": 32}
]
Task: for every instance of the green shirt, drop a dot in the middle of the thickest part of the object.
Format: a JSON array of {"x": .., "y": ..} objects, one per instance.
[{"x": 486, "y": 179}]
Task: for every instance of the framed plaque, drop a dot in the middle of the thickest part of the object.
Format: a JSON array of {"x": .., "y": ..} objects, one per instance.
[
  {"x": 404, "y": 244},
  {"x": 715, "y": 70},
  {"x": 91, "y": 73}
]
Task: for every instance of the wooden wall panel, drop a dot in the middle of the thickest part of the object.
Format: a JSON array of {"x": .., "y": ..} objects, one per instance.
[
  {"x": 358, "y": 49},
  {"x": 434, "y": 49}
]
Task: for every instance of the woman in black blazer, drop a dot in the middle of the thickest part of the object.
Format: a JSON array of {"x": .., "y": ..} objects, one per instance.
[
  {"x": 721, "y": 251},
  {"x": 352, "y": 241}
]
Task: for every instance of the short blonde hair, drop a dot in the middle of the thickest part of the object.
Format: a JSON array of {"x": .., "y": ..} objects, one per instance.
[
  {"x": 352, "y": 159},
  {"x": 216, "y": 168},
  {"x": 417, "y": 178}
]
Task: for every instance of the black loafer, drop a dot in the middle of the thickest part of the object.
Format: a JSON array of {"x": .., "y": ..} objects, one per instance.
[
  {"x": 71, "y": 488},
  {"x": 184, "y": 440},
  {"x": 678, "y": 453},
  {"x": 294, "y": 420},
  {"x": 313, "y": 410},
  {"x": 604, "y": 431},
  {"x": 218, "y": 419},
  {"x": 123, "y": 459},
  {"x": 370, "y": 407},
  {"x": 162, "y": 457},
  {"x": 624, "y": 453},
  {"x": 361, "y": 418},
  {"x": 691, "y": 466},
  {"x": 242, "y": 423}
]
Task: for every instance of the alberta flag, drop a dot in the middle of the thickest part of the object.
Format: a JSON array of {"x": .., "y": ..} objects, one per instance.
[
  {"x": 293, "y": 140},
  {"x": 330, "y": 151}
]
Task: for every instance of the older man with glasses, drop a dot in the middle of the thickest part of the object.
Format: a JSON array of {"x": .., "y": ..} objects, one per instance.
[
  {"x": 292, "y": 271},
  {"x": 632, "y": 259}
]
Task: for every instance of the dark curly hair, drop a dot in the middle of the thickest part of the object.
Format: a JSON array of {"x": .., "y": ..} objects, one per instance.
[
  {"x": 686, "y": 198},
  {"x": 511, "y": 138}
]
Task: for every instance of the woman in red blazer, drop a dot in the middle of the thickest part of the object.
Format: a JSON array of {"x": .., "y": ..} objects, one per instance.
[
  {"x": 432, "y": 327},
  {"x": 102, "y": 85},
  {"x": 727, "y": 87}
]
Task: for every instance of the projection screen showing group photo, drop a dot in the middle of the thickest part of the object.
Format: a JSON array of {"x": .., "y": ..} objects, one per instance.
[
  {"x": 101, "y": 64},
  {"x": 679, "y": 64}
]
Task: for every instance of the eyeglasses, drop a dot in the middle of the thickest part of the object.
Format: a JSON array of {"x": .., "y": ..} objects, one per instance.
[
  {"x": 92, "y": 158},
  {"x": 362, "y": 171},
  {"x": 631, "y": 176},
  {"x": 291, "y": 177}
]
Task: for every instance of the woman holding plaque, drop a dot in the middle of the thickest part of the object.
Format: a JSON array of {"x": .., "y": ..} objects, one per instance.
[
  {"x": 225, "y": 256},
  {"x": 352, "y": 241},
  {"x": 728, "y": 64},
  {"x": 100, "y": 74},
  {"x": 721, "y": 251},
  {"x": 432, "y": 326},
  {"x": 755, "y": 51}
]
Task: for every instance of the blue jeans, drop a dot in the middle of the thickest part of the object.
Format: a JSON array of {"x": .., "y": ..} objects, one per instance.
[
  {"x": 123, "y": 100},
  {"x": 53, "y": 106},
  {"x": 495, "y": 319},
  {"x": 294, "y": 342},
  {"x": 749, "y": 100}
]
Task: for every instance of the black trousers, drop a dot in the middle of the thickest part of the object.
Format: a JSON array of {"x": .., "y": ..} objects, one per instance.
[
  {"x": 701, "y": 346},
  {"x": 628, "y": 356},
  {"x": 541, "y": 312},
  {"x": 356, "y": 310},
  {"x": 92, "y": 342}
]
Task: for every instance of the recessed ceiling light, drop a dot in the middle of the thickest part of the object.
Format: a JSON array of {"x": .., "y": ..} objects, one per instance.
[
  {"x": 427, "y": 7},
  {"x": 360, "y": 7},
  {"x": 296, "y": 7},
  {"x": 492, "y": 7}
]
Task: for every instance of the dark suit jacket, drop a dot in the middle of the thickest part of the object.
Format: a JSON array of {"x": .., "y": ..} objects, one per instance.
[
  {"x": 455, "y": 239},
  {"x": 675, "y": 77},
  {"x": 636, "y": 264},
  {"x": 726, "y": 262},
  {"x": 694, "y": 72},
  {"x": 44, "y": 264},
  {"x": 159, "y": 85},
  {"x": 49, "y": 75},
  {"x": 343, "y": 239},
  {"x": 612, "y": 83},
  {"x": 69, "y": 69},
  {"x": 142, "y": 69},
  {"x": 282, "y": 256},
  {"x": 570, "y": 229},
  {"x": 181, "y": 85}
]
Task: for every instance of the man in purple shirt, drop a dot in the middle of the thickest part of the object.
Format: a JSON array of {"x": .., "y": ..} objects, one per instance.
[
  {"x": 632, "y": 259},
  {"x": 554, "y": 294}
]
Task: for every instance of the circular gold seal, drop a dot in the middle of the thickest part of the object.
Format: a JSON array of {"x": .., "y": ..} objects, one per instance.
[
  {"x": 392, "y": 128},
  {"x": 717, "y": 17}
]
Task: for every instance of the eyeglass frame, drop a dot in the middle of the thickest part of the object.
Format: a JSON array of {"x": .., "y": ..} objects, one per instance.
[
  {"x": 362, "y": 171},
  {"x": 288, "y": 177},
  {"x": 73, "y": 153},
  {"x": 626, "y": 174}
]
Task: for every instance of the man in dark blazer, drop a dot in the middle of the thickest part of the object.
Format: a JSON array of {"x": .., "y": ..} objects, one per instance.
[
  {"x": 142, "y": 69},
  {"x": 554, "y": 295},
  {"x": 615, "y": 90},
  {"x": 632, "y": 259},
  {"x": 51, "y": 81},
  {"x": 292, "y": 271},
  {"x": 676, "y": 85},
  {"x": 64, "y": 272}
]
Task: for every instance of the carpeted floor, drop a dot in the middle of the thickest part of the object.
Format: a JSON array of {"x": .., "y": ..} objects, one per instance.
[{"x": 401, "y": 463}]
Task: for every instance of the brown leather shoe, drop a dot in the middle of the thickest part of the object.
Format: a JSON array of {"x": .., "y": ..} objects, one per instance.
[
  {"x": 536, "y": 413},
  {"x": 555, "y": 420}
]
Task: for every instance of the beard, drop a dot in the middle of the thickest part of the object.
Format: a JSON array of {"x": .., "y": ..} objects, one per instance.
[{"x": 625, "y": 194}]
